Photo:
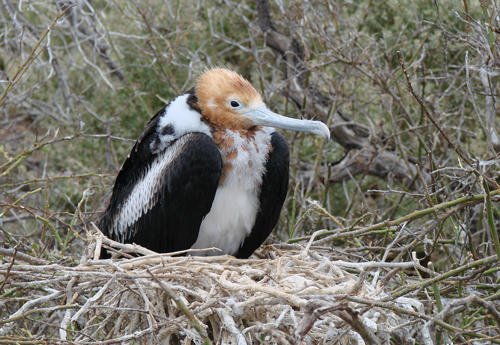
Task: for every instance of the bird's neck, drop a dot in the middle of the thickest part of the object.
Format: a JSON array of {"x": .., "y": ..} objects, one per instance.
[{"x": 234, "y": 145}]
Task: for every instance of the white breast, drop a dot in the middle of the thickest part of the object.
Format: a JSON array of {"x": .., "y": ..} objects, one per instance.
[{"x": 236, "y": 201}]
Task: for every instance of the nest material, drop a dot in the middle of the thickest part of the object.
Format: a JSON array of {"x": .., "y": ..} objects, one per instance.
[{"x": 297, "y": 295}]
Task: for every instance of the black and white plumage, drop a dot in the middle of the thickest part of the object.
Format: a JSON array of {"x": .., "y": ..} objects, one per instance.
[{"x": 208, "y": 171}]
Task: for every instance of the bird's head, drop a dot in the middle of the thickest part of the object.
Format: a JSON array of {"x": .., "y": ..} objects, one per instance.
[{"x": 228, "y": 100}]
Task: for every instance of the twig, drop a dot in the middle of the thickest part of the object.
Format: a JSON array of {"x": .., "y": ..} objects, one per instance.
[
  {"x": 411, "y": 287},
  {"x": 409, "y": 217},
  {"x": 491, "y": 219},
  {"x": 431, "y": 119},
  {"x": 27, "y": 63},
  {"x": 183, "y": 308},
  {"x": 12, "y": 260}
]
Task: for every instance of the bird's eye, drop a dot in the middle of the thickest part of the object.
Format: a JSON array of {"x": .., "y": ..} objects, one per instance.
[{"x": 235, "y": 104}]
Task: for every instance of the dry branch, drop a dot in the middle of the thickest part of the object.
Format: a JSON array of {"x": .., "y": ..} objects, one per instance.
[
  {"x": 299, "y": 297},
  {"x": 364, "y": 156}
]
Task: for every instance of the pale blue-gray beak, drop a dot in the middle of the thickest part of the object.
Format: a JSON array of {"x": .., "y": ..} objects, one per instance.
[{"x": 262, "y": 116}]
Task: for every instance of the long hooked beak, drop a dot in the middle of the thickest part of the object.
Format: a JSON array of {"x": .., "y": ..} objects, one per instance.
[{"x": 265, "y": 117}]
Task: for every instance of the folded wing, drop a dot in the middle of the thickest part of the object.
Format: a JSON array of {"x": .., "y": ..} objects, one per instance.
[{"x": 160, "y": 198}]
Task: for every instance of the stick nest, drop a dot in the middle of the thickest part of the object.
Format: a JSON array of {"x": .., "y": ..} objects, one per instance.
[{"x": 297, "y": 295}]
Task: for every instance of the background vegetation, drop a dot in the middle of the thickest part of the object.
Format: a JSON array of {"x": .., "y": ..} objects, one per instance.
[{"x": 409, "y": 89}]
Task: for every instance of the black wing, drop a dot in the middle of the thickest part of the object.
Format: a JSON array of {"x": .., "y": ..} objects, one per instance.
[
  {"x": 184, "y": 194},
  {"x": 137, "y": 162},
  {"x": 272, "y": 196}
]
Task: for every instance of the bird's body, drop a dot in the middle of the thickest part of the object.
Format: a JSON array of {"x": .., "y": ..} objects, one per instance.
[{"x": 204, "y": 174}]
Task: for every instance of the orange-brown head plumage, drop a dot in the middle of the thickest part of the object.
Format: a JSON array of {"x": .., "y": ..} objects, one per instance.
[
  {"x": 219, "y": 90},
  {"x": 229, "y": 101}
]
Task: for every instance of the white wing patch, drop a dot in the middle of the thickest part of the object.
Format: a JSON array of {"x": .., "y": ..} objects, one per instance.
[
  {"x": 144, "y": 195},
  {"x": 180, "y": 119},
  {"x": 236, "y": 201}
]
